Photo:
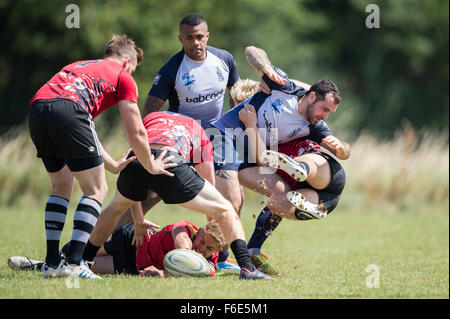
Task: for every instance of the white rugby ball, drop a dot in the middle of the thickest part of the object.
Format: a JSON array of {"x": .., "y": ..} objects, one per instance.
[{"x": 185, "y": 262}]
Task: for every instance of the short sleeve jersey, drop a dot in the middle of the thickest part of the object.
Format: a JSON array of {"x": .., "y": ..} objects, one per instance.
[
  {"x": 196, "y": 88},
  {"x": 96, "y": 85},
  {"x": 153, "y": 250},
  {"x": 180, "y": 132},
  {"x": 278, "y": 115}
]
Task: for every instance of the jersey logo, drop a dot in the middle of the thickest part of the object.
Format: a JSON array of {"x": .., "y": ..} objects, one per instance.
[
  {"x": 295, "y": 132},
  {"x": 277, "y": 105},
  {"x": 156, "y": 80},
  {"x": 187, "y": 80},
  {"x": 219, "y": 74}
]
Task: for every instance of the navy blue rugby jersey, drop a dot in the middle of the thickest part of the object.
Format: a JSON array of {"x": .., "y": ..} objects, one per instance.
[
  {"x": 196, "y": 88},
  {"x": 278, "y": 118}
]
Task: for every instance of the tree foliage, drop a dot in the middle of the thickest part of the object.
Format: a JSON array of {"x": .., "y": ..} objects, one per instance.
[{"x": 387, "y": 75}]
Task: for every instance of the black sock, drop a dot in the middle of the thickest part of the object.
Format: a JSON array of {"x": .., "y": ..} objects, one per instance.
[
  {"x": 240, "y": 251},
  {"x": 90, "y": 251},
  {"x": 223, "y": 255}
]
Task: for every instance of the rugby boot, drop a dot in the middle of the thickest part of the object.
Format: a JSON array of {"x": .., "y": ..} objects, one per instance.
[
  {"x": 24, "y": 263},
  {"x": 261, "y": 263},
  {"x": 285, "y": 163},
  {"x": 306, "y": 210},
  {"x": 254, "y": 275}
]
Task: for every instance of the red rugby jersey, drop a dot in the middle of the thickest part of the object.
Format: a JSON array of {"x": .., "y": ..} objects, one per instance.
[
  {"x": 153, "y": 250},
  {"x": 294, "y": 149},
  {"x": 96, "y": 85},
  {"x": 180, "y": 132}
]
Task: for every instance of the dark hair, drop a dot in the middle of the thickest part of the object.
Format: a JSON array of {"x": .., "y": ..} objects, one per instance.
[
  {"x": 192, "y": 19},
  {"x": 322, "y": 87}
]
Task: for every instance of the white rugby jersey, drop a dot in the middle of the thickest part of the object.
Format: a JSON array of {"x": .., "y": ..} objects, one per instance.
[
  {"x": 196, "y": 88},
  {"x": 278, "y": 115}
]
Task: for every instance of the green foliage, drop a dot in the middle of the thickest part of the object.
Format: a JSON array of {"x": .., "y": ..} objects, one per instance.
[{"x": 396, "y": 72}]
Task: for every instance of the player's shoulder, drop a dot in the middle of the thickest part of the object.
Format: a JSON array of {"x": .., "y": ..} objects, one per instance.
[
  {"x": 220, "y": 53},
  {"x": 174, "y": 61}
]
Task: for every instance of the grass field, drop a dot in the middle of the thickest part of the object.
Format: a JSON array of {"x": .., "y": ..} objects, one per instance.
[{"x": 316, "y": 259}]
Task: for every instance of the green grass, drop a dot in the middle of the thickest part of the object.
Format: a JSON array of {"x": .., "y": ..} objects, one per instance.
[{"x": 315, "y": 259}]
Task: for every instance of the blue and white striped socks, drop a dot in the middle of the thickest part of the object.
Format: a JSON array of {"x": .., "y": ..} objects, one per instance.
[
  {"x": 84, "y": 222},
  {"x": 55, "y": 218}
]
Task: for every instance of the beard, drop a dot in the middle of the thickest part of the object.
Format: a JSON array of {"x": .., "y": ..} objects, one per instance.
[{"x": 309, "y": 114}]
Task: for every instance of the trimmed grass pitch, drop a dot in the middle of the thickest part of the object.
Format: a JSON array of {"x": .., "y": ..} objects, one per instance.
[{"x": 346, "y": 255}]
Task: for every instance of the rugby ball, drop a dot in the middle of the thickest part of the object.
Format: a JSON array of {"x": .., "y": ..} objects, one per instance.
[{"x": 188, "y": 263}]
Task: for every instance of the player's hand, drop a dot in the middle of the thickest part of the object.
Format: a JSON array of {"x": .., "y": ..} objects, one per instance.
[
  {"x": 248, "y": 116},
  {"x": 273, "y": 75},
  {"x": 160, "y": 164},
  {"x": 151, "y": 271},
  {"x": 141, "y": 232},
  {"x": 333, "y": 143},
  {"x": 123, "y": 162}
]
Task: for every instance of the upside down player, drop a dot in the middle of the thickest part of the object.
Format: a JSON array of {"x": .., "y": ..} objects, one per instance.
[
  {"x": 123, "y": 254},
  {"x": 324, "y": 180},
  {"x": 177, "y": 139}
]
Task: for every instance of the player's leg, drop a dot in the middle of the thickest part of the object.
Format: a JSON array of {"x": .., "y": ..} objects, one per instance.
[
  {"x": 264, "y": 181},
  {"x": 147, "y": 204},
  {"x": 92, "y": 182},
  {"x": 56, "y": 211},
  {"x": 106, "y": 223},
  {"x": 103, "y": 265},
  {"x": 210, "y": 202}
]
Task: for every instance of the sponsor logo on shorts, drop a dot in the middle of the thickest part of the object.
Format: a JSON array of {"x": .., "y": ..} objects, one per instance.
[
  {"x": 207, "y": 97},
  {"x": 91, "y": 149}
]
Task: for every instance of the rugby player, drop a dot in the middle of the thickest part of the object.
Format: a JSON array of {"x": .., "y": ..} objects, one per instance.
[
  {"x": 181, "y": 140},
  {"x": 61, "y": 126},
  {"x": 293, "y": 115},
  {"x": 194, "y": 81}
]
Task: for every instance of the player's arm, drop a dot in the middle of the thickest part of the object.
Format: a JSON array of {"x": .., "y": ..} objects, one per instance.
[
  {"x": 137, "y": 136},
  {"x": 337, "y": 147},
  {"x": 152, "y": 104},
  {"x": 259, "y": 60},
  {"x": 113, "y": 166},
  {"x": 141, "y": 225},
  {"x": 256, "y": 144},
  {"x": 181, "y": 238},
  {"x": 232, "y": 102}
]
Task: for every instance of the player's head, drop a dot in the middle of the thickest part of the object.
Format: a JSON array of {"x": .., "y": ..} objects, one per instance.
[
  {"x": 194, "y": 36},
  {"x": 209, "y": 239},
  {"x": 243, "y": 89},
  {"x": 323, "y": 98},
  {"x": 123, "y": 49}
]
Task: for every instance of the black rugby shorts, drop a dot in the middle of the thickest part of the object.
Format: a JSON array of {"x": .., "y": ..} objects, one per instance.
[
  {"x": 331, "y": 194},
  {"x": 64, "y": 133},
  {"x": 135, "y": 181}
]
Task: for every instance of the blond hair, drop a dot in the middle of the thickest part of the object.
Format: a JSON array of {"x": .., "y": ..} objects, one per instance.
[
  {"x": 121, "y": 45},
  {"x": 243, "y": 89},
  {"x": 213, "y": 229}
]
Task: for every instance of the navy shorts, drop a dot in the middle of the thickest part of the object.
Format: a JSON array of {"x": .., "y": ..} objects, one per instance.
[
  {"x": 231, "y": 153},
  {"x": 64, "y": 133}
]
